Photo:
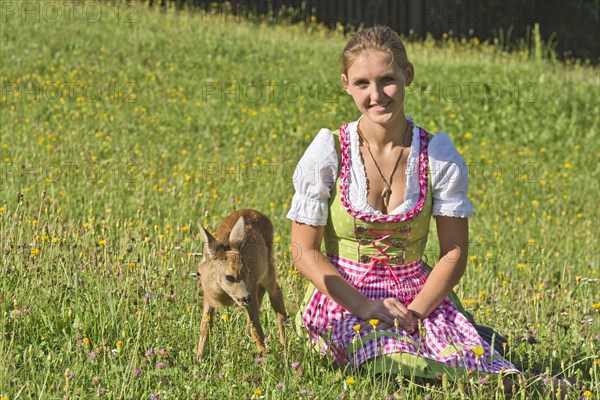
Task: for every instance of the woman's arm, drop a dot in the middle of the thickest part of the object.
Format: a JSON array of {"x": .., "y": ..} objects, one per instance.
[
  {"x": 453, "y": 233},
  {"x": 317, "y": 269}
]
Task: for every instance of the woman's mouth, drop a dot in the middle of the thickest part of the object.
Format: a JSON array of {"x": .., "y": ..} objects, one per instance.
[{"x": 379, "y": 107}]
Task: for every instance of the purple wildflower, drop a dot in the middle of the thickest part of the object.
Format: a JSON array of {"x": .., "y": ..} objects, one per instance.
[
  {"x": 280, "y": 386},
  {"x": 137, "y": 372},
  {"x": 149, "y": 352},
  {"x": 92, "y": 355},
  {"x": 160, "y": 365},
  {"x": 162, "y": 352},
  {"x": 258, "y": 360},
  {"x": 295, "y": 364}
]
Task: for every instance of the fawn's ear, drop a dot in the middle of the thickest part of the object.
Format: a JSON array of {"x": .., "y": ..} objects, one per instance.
[
  {"x": 238, "y": 233},
  {"x": 209, "y": 242}
]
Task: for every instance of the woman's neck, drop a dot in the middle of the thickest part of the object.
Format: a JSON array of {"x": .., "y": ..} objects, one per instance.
[{"x": 382, "y": 136}]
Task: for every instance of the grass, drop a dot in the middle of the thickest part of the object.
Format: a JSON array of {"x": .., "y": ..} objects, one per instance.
[{"x": 120, "y": 131}]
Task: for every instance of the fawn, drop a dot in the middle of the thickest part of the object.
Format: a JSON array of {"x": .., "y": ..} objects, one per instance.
[{"x": 237, "y": 267}]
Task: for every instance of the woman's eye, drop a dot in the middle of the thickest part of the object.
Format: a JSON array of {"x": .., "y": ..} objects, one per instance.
[{"x": 230, "y": 278}]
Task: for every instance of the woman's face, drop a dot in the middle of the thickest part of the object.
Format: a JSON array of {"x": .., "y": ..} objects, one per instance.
[{"x": 378, "y": 86}]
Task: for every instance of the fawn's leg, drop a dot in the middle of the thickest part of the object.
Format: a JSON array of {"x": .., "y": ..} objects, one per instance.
[
  {"x": 276, "y": 297},
  {"x": 254, "y": 319},
  {"x": 205, "y": 324}
]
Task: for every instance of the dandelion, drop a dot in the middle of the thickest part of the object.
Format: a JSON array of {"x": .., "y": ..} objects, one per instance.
[
  {"x": 119, "y": 345},
  {"x": 257, "y": 392},
  {"x": 102, "y": 242},
  {"x": 373, "y": 323},
  {"x": 520, "y": 265},
  {"x": 356, "y": 327},
  {"x": 86, "y": 341},
  {"x": 452, "y": 116},
  {"x": 478, "y": 351},
  {"x": 596, "y": 306},
  {"x": 468, "y": 135},
  {"x": 587, "y": 394},
  {"x": 54, "y": 240},
  {"x": 35, "y": 252},
  {"x": 350, "y": 380},
  {"x": 224, "y": 316}
]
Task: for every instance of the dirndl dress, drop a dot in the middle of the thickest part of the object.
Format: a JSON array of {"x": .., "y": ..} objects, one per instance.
[{"x": 381, "y": 256}]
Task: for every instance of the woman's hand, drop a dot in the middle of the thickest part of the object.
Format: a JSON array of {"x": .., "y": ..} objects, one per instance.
[{"x": 389, "y": 312}]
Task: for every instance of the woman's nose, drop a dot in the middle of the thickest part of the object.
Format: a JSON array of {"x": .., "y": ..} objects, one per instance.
[{"x": 376, "y": 93}]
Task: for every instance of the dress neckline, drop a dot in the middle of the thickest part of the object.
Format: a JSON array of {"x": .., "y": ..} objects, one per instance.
[
  {"x": 419, "y": 146},
  {"x": 409, "y": 174}
]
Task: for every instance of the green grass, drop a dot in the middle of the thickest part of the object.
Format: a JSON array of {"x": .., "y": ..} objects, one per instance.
[{"x": 101, "y": 197}]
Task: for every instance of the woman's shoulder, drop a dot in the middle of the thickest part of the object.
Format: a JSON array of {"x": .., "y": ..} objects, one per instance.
[{"x": 442, "y": 148}]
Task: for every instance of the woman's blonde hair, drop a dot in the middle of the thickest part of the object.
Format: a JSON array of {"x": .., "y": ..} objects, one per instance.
[{"x": 380, "y": 38}]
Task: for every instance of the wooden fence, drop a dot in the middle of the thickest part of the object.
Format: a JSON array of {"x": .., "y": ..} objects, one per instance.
[{"x": 572, "y": 25}]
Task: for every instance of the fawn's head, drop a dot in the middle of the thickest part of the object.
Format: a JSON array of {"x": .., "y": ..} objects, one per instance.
[{"x": 225, "y": 263}]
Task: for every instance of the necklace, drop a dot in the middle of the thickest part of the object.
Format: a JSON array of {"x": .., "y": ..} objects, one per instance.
[{"x": 387, "y": 190}]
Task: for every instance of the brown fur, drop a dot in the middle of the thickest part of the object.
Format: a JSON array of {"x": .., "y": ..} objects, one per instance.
[{"x": 238, "y": 262}]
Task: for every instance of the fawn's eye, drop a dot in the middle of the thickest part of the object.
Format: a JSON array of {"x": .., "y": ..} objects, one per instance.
[{"x": 230, "y": 278}]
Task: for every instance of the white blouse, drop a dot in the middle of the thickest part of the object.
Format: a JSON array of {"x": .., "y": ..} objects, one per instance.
[{"x": 316, "y": 173}]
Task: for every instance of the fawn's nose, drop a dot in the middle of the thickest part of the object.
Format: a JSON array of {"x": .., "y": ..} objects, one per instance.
[{"x": 246, "y": 300}]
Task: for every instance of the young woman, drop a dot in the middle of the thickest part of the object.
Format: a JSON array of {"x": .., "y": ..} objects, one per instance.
[{"x": 368, "y": 191}]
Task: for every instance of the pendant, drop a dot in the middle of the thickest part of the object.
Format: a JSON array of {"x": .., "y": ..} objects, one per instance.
[{"x": 387, "y": 192}]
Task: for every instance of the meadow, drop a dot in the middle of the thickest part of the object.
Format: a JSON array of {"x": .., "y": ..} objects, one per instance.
[{"x": 122, "y": 127}]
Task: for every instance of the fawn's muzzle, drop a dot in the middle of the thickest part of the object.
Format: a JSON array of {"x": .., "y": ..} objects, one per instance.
[{"x": 246, "y": 300}]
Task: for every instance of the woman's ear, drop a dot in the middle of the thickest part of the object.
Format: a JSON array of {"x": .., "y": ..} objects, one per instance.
[
  {"x": 409, "y": 74},
  {"x": 346, "y": 83}
]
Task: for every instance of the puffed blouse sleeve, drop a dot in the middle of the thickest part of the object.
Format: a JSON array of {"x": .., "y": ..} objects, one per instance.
[
  {"x": 449, "y": 179},
  {"x": 314, "y": 177}
]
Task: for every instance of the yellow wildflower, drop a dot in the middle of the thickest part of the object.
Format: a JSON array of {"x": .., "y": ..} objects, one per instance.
[
  {"x": 374, "y": 322},
  {"x": 478, "y": 351},
  {"x": 350, "y": 380},
  {"x": 356, "y": 327}
]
